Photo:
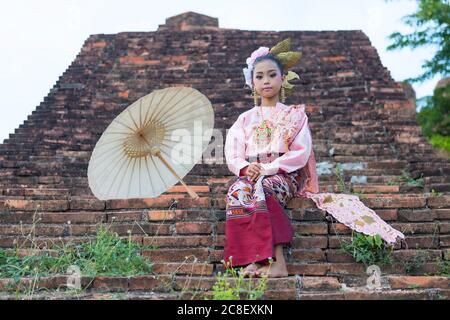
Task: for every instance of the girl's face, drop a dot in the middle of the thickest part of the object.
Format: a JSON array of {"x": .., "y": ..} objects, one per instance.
[{"x": 267, "y": 79}]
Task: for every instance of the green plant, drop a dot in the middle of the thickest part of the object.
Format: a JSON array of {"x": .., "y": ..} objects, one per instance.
[
  {"x": 368, "y": 249},
  {"x": 107, "y": 254},
  {"x": 443, "y": 267},
  {"x": 414, "y": 263},
  {"x": 231, "y": 285},
  {"x": 434, "y": 193},
  {"x": 440, "y": 142},
  {"x": 409, "y": 181},
  {"x": 434, "y": 117},
  {"x": 339, "y": 173}
]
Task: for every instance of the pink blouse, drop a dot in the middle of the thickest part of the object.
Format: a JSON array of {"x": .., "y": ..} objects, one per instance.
[{"x": 289, "y": 149}]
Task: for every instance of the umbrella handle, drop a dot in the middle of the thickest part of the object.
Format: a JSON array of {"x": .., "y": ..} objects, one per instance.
[{"x": 191, "y": 192}]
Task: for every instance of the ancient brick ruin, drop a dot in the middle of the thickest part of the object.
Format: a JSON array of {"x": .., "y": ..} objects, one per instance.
[{"x": 359, "y": 116}]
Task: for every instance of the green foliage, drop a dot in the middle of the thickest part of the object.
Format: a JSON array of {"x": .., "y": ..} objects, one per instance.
[
  {"x": 434, "y": 116},
  {"x": 368, "y": 249},
  {"x": 431, "y": 27},
  {"x": 231, "y": 285},
  {"x": 414, "y": 263},
  {"x": 440, "y": 142},
  {"x": 443, "y": 267},
  {"x": 107, "y": 254},
  {"x": 408, "y": 180}
]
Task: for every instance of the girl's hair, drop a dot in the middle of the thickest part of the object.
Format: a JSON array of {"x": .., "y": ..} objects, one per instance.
[{"x": 269, "y": 57}]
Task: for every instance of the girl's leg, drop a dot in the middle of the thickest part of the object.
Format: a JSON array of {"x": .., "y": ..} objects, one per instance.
[{"x": 278, "y": 268}]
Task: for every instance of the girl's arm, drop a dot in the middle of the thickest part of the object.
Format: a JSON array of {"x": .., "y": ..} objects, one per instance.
[{"x": 235, "y": 148}]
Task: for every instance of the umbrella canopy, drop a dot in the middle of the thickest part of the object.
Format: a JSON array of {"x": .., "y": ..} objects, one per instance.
[{"x": 151, "y": 145}]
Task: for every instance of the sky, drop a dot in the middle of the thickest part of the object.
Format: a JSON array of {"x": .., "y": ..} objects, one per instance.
[{"x": 40, "y": 39}]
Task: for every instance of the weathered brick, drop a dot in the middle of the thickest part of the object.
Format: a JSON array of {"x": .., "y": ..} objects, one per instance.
[
  {"x": 219, "y": 241},
  {"x": 193, "y": 283},
  {"x": 32, "y": 205},
  {"x": 46, "y": 193},
  {"x": 149, "y": 283},
  {"x": 145, "y": 229},
  {"x": 310, "y": 242},
  {"x": 336, "y": 241},
  {"x": 319, "y": 283},
  {"x": 416, "y": 228},
  {"x": 444, "y": 227},
  {"x": 189, "y": 268},
  {"x": 338, "y": 256},
  {"x": 321, "y": 296},
  {"x": 163, "y": 215},
  {"x": 73, "y": 217},
  {"x": 280, "y": 294},
  {"x": 444, "y": 241},
  {"x": 339, "y": 228},
  {"x": 308, "y": 215},
  {"x": 310, "y": 228},
  {"x": 201, "y": 202},
  {"x": 300, "y": 203},
  {"x": 347, "y": 268},
  {"x": 194, "y": 227},
  {"x": 394, "y": 201},
  {"x": 425, "y": 242},
  {"x": 308, "y": 255},
  {"x": 163, "y": 201},
  {"x": 387, "y": 214},
  {"x": 439, "y": 201},
  {"x": 220, "y": 228},
  {"x": 442, "y": 214},
  {"x": 408, "y": 255},
  {"x": 334, "y": 58},
  {"x": 125, "y": 216},
  {"x": 216, "y": 256},
  {"x": 182, "y": 189},
  {"x": 416, "y": 215},
  {"x": 386, "y": 295},
  {"x": 137, "y": 60},
  {"x": 406, "y": 282},
  {"x": 179, "y": 241},
  {"x": 110, "y": 283},
  {"x": 87, "y": 204},
  {"x": 310, "y": 269},
  {"x": 177, "y": 255}
]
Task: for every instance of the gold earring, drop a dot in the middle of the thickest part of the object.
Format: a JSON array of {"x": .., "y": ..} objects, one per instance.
[
  {"x": 283, "y": 95},
  {"x": 255, "y": 97}
]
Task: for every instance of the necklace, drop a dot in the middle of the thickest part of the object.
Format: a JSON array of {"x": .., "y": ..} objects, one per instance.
[{"x": 263, "y": 131}]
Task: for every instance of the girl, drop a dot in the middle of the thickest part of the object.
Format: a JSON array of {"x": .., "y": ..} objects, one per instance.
[{"x": 269, "y": 149}]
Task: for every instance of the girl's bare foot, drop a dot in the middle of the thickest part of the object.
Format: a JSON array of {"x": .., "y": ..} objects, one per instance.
[
  {"x": 251, "y": 270},
  {"x": 276, "y": 270}
]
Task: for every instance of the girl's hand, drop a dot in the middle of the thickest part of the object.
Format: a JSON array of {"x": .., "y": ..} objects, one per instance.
[{"x": 253, "y": 171}]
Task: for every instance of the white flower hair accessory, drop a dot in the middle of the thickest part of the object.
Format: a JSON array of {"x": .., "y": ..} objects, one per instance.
[{"x": 261, "y": 51}]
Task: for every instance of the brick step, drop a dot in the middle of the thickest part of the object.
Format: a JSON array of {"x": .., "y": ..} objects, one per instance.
[
  {"x": 199, "y": 287},
  {"x": 372, "y": 200},
  {"x": 183, "y": 201},
  {"x": 63, "y": 193},
  {"x": 440, "y": 187},
  {"x": 386, "y": 201}
]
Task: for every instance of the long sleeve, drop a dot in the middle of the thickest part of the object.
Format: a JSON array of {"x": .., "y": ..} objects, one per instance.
[
  {"x": 235, "y": 147},
  {"x": 298, "y": 154}
]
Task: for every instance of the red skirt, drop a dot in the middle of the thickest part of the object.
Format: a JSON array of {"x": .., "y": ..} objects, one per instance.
[{"x": 255, "y": 218}]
